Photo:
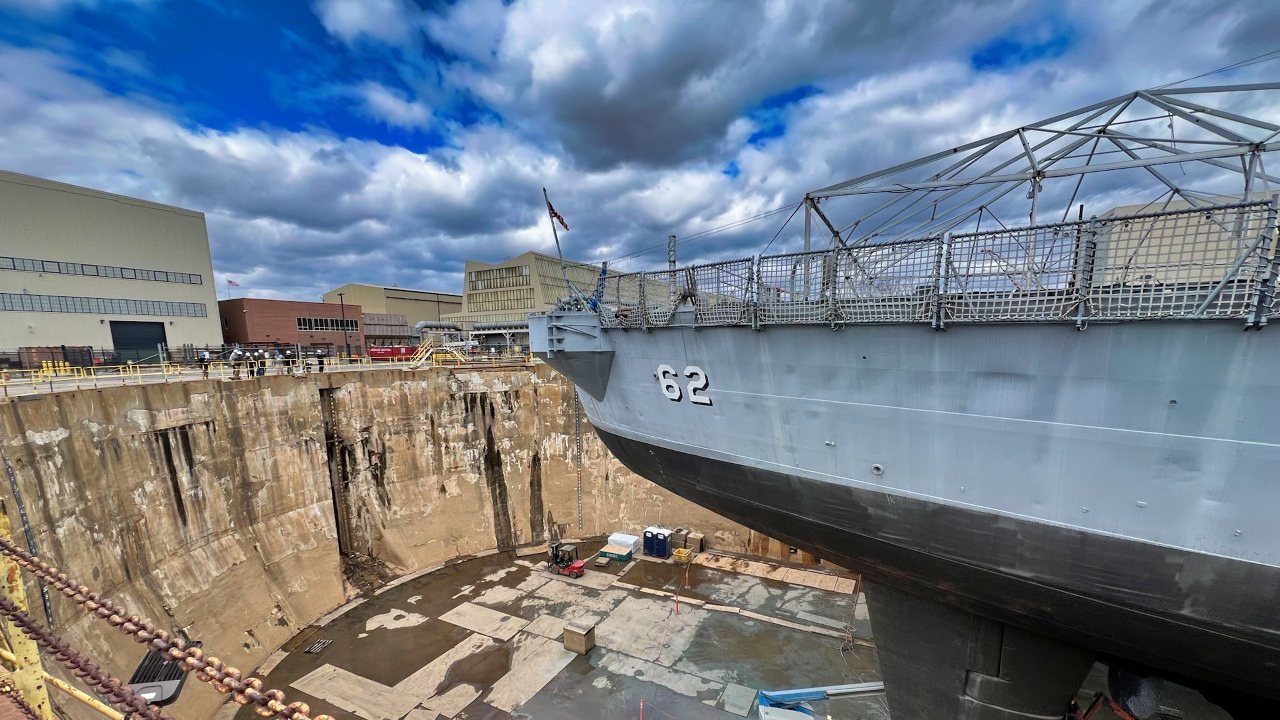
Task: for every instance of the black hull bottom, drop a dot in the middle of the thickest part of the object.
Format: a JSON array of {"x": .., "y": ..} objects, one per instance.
[{"x": 871, "y": 531}]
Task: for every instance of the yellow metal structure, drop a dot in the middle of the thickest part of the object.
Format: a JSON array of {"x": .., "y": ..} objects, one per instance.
[
  {"x": 70, "y": 690},
  {"x": 28, "y": 673},
  {"x": 419, "y": 355}
]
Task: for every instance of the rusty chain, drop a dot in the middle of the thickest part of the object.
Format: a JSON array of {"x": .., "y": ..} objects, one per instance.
[
  {"x": 101, "y": 682},
  {"x": 10, "y": 692},
  {"x": 225, "y": 679}
]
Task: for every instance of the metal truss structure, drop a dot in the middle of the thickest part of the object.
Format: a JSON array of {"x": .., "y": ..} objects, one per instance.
[
  {"x": 917, "y": 253},
  {"x": 1141, "y": 132}
]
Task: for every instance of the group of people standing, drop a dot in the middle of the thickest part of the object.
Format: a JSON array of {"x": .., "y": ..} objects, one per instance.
[{"x": 253, "y": 362}]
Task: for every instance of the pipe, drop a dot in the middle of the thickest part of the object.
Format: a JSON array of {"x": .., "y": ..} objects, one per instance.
[{"x": 84, "y": 697}]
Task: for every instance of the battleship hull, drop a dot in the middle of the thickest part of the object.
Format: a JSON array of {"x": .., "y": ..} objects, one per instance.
[{"x": 1113, "y": 488}]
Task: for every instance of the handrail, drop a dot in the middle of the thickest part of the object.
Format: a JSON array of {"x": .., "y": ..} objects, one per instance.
[{"x": 1206, "y": 262}]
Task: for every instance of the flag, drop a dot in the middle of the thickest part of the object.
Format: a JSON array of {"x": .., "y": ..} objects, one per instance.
[
  {"x": 557, "y": 216},
  {"x": 232, "y": 283}
]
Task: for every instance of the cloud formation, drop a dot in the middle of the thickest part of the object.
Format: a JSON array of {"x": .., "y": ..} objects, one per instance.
[{"x": 643, "y": 119}]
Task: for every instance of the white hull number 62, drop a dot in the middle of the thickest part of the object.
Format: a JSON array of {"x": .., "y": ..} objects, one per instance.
[{"x": 697, "y": 381}]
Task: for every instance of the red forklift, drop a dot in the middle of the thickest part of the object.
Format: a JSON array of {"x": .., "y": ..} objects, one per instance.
[{"x": 563, "y": 560}]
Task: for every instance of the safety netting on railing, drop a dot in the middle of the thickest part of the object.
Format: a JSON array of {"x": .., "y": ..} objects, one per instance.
[
  {"x": 721, "y": 292},
  {"x": 665, "y": 291},
  {"x": 621, "y": 302},
  {"x": 790, "y": 289},
  {"x": 876, "y": 283},
  {"x": 1011, "y": 275},
  {"x": 1201, "y": 262},
  {"x": 1208, "y": 262},
  {"x": 886, "y": 283}
]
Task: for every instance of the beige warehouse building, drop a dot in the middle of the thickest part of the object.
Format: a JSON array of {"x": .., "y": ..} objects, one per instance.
[
  {"x": 498, "y": 297},
  {"x": 86, "y": 268},
  {"x": 508, "y": 291},
  {"x": 390, "y": 313}
]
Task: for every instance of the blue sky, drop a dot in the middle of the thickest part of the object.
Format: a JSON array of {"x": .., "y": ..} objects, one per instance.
[{"x": 388, "y": 140}]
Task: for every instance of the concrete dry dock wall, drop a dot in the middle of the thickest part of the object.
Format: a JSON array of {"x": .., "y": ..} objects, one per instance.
[
  {"x": 195, "y": 504},
  {"x": 429, "y": 466},
  {"x": 210, "y": 506}
]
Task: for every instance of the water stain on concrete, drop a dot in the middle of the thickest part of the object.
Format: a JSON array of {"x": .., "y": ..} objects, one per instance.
[
  {"x": 537, "y": 527},
  {"x": 481, "y": 669},
  {"x": 503, "y": 535}
]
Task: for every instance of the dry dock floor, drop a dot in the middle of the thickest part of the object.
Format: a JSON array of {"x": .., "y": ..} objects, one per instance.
[{"x": 481, "y": 638}]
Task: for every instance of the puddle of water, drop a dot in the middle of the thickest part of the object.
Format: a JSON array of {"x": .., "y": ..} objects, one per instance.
[
  {"x": 481, "y": 669},
  {"x": 394, "y": 620}
]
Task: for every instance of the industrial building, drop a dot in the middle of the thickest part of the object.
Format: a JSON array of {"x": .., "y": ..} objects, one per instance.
[
  {"x": 497, "y": 298},
  {"x": 260, "y": 322},
  {"x": 85, "y": 272},
  {"x": 391, "y": 313}
]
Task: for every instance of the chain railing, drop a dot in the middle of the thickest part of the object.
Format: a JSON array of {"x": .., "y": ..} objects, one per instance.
[
  {"x": 9, "y": 690},
  {"x": 1208, "y": 262},
  {"x": 105, "y": 685},
  {"x": 269, "y": 703}
]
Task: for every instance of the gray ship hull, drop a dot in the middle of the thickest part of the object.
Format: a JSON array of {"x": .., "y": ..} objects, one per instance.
[{"x": 1114, "y": 488}]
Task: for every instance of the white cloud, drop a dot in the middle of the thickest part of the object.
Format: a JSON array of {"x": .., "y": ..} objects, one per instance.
[
  {"x": 392, "y": 108},
  {"x": 627, "y": 112},
  {"x": 389, "y": 21}
]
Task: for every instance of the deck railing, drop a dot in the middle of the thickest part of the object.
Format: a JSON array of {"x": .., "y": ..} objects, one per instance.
[{"x": 1218, "y": 261}]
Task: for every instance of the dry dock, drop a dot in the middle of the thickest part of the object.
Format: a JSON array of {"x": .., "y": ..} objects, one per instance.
[{"x": 482, "y": 639}]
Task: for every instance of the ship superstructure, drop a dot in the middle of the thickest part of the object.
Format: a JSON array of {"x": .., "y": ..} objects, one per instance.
[{"x": 1043, "y": 444}]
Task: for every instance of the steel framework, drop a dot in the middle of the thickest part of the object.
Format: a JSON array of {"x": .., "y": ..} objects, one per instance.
[
  {"x": 1203, "y": 128},
  {"x": 918, "y": 253}
]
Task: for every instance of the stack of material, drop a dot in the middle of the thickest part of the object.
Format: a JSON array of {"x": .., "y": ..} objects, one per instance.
[
  {"x": 631, "y": 542},
  {"x": 694, "y": 542},
  {"x": 621, "y": 547},
  {"x": 616, "y": 552}
]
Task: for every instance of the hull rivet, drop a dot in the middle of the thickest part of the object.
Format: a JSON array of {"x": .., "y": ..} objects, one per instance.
[{"x": 877, "y": 469}]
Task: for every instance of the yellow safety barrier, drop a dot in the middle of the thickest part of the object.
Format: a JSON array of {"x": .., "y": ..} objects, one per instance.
[{"x": 54, "y": 376}]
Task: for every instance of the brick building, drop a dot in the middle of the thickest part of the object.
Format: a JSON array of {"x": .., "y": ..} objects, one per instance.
[{"x": 257, "y": 322}]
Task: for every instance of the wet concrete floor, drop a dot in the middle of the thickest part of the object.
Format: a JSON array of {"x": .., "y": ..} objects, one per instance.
[{"x": 481, "y": 638}]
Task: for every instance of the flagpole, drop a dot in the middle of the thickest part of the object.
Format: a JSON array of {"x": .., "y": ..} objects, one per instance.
[{"x": 564, "y": 267}]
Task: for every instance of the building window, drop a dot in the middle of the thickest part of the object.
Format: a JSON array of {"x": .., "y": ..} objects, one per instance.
[
  {"x": 111, "y": 271},
  {"x": 23, "y": 302},
  {"x": 488, "y": 301},
  {"x": 328, "y": 324},
  {"x": 503, "y": 277}
]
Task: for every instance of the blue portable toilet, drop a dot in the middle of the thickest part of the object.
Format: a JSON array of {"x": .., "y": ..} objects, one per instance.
[
  {"x": 650, "y": 540},
  {"x": 661, "y": 542}
]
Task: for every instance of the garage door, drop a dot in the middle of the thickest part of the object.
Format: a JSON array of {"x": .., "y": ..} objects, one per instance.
[{"x": 137, "y": 341}]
